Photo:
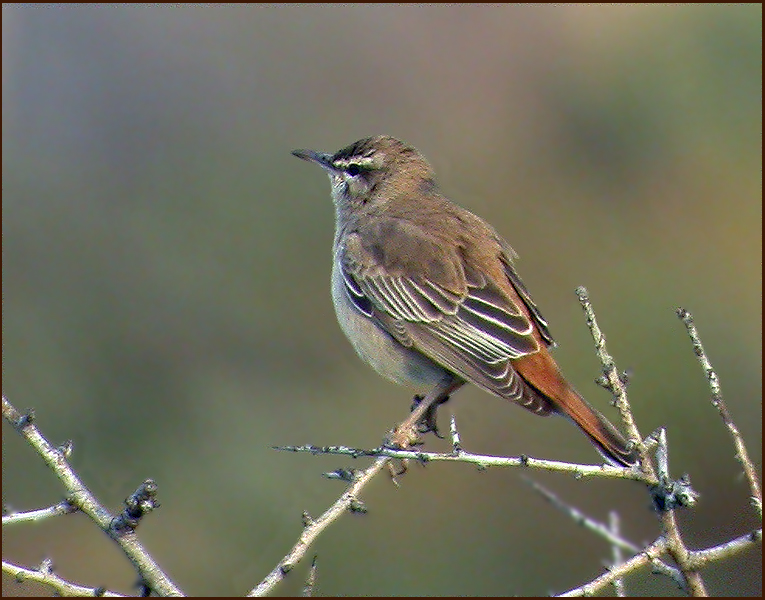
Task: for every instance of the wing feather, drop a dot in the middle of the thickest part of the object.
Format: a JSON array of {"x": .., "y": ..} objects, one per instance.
[
  {"x": 433, "y": 298},
  {"x": 466, "y": 322}
]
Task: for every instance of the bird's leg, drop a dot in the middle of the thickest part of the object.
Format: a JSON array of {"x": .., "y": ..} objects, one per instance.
[
  {"x": 429, "y": 421},
  {"x": 406, "y": 433}
]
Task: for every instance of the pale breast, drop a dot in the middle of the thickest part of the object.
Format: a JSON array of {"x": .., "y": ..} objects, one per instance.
[{"x": 376, "y": 346}]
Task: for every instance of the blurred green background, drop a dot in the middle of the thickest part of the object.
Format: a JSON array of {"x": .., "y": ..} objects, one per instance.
[{"x": 166, "y": 277}]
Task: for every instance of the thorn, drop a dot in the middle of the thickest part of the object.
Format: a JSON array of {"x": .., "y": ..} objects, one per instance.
[
  {"x": 66, "y": 448},
  {"x": 395, "y": 474},
  {"x": 46, "y": 566},
  {"x": 603, "y": 382},
  {"x": 348, "y": 475},
  {"x": 27, "y": 418},
  {"x": 456, "y": 445},
  {"x": 311, "y": 581},
  {"x": 357, "y": 506}
]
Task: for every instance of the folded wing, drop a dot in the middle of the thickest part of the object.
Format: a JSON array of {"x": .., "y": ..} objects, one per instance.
[{"x": 453, "y": 314}]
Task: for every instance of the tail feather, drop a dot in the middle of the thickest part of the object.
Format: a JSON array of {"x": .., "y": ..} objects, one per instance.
[
  {"x": 540, "y": 372},
  {"x": 605, "y": 437}
]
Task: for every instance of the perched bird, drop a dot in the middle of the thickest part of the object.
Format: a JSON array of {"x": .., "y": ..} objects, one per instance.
[{"x": 427, "y": 292}]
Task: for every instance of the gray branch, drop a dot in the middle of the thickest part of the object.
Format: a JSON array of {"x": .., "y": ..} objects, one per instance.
[{"x": 84, "y": 500}]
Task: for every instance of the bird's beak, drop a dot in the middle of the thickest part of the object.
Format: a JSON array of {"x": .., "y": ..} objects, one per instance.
[{"x": 322, "y": 159}]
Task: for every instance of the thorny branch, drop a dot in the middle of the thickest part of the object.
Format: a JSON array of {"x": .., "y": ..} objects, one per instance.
[
  {"x": 667, "y": 494},
  {"x": 80, "y": 497},
  {"x": 742, "y": 455}
]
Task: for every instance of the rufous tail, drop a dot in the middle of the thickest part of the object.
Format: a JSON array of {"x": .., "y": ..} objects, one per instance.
[{"x": 540, "y": 372}]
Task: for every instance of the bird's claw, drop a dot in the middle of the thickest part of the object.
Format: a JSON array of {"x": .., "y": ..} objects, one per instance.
[{"x": 429, "y": 421}]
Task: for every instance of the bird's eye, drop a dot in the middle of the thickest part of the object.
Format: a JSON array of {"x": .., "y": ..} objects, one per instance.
[{"x": 353, "y": 170}]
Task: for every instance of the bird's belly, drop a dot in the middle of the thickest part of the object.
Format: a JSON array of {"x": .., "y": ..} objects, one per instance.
[{"x": 377, "y": 347}]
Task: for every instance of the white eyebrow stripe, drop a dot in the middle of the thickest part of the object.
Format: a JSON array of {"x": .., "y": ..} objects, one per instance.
[{"x": 362, "y": 161}]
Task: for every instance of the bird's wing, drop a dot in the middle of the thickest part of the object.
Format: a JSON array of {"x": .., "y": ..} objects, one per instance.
[
  {"x": 430, "y": 298},
  {"x": 506, "y": 258}
]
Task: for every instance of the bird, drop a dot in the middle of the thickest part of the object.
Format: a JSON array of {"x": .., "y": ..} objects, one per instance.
[{"x": 428, "y": 293}]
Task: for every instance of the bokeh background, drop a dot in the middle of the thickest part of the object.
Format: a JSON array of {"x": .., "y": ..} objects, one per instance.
[{"x": 166, "y": 277}]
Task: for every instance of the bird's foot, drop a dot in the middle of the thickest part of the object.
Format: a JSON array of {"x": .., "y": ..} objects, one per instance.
[
  {"x": 395, "y": 473},
  {"x": 409, "y": 433},
  {"x": 404, "y": 437},
  {"x": 429, "y": 421}
]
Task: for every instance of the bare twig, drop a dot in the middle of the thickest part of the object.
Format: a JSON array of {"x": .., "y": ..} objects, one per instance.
[
  {"x": 83, "y": 499},
  {"x": 616, "y": 541},
  {"x": 482, "y": 461},
  {"x": 742, "y": 455},
  {"x": 62, "y": 508},
  {"x": 647, "y": 556},
  {"x": 44, "y": 574},
  {"x": 581, "y": 519},
  {"x": 314, "y": 527},
  {"x": 680, "y": 553},
  {"x": 701, "y": 558},
  {"x": 615, "y": 383},
  {"x": 669, "y": 493},
  {"x": 616, "y": 553},
  {"x": 310, "y": 583},
  {"x": 662, "y": 454},
  {"x": 456, "y": 444},
  {"x": 667, "y": 521}
]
